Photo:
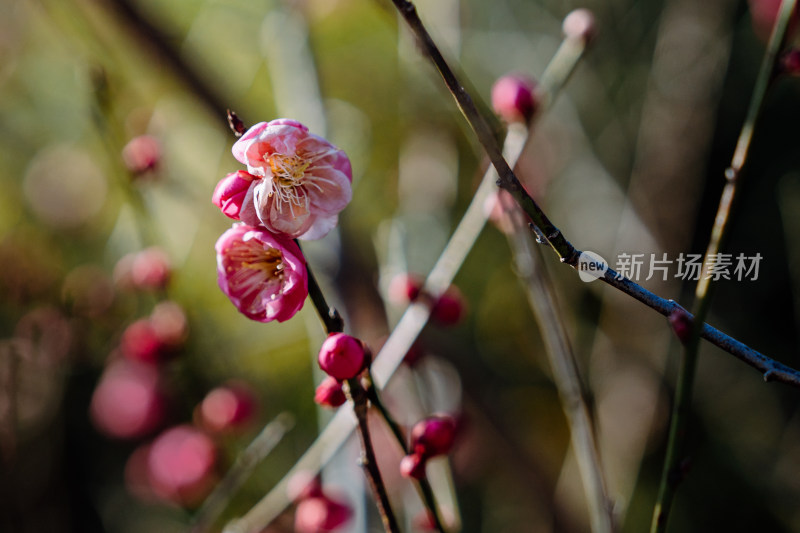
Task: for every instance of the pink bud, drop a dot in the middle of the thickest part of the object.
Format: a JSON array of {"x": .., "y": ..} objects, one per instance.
[
  {"x": 790, "y": 62},
  {"x": 329, "y": 393},
  {"x": 405, "y": 288},
  {"x": 229, "y": 408},
  {"x": 579, "y": 24},
  {"x": 231, "y": 191},
  {"x": 169, "y": 323},
  {"x": 320, "y": 515},
  {"x": 433, "y": 436},
  {"x": 140, "y": 342},
  {"x": 450, "y": 308},
  {"x": 681, "y": 324},
  {"x": 413, "y": 466},
  {"x": 142, "y": 154},
  {"x": 150, "y": 269},
  {"x": 129, "y": 401},
  {"x": 514, "y": 98},
  {"x": 342, "y": 356},
  {"x": 182, "y": 465},
  {"x": 764, "y": 14}
]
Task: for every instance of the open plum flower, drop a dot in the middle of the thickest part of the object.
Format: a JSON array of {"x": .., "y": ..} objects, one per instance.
[
  {"x": 301, "y": 182},
  {"x": 262, "y": 273}
]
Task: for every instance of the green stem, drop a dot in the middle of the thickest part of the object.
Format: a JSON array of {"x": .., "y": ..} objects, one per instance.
[{"x": 672, "y": 473}]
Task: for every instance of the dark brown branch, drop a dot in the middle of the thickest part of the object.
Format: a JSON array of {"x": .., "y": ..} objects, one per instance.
[
  {"x": 356, "y": 393},
  {"x": 772, "y": 370}
]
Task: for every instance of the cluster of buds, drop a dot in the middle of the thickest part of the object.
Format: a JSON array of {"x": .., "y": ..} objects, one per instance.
[
  {"x": 447, "y": 310},
  {"x": 430, "y": 437},
  {"x": 180, "y": 465}
]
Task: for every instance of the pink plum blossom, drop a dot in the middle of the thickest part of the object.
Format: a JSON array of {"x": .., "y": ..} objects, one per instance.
[
  {"x": 262, "y": 273},
  {"x": 302, "y": 184}
]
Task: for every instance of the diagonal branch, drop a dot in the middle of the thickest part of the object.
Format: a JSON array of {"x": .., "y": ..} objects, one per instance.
[{"x": 772, "y": 370}]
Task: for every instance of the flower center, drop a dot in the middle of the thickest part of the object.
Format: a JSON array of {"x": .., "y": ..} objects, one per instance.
[
  {"x": 251, "y": 255},
  {"x": 288, "y": 173}
]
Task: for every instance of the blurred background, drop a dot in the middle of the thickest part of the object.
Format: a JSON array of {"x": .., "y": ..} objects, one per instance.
[{"x": 113, "y": 135}]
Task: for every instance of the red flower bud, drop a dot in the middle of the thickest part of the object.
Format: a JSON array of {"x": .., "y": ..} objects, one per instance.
[
  {"x": 231, "y": 191},
  {"x": 514, "y": 98},
  {"x": 129, "y": 401},
  {"x": 142, "y": 154},
  {"x": 182, "y": 465},
  {"x": 450, "y": 308},
  {"x": 320, "y": 515},
  {"x": 405, "y": 288},
  {"x": 681, "y": 324},
  {"x": 342, "y": 356},
  {"x": 433, "y": 436},
  {"x": 329, "y": 393},
  {"x": 228, "y": 408}
]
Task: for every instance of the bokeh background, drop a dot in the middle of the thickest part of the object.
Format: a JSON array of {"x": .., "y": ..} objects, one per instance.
[{"x": 630, "y": 160}]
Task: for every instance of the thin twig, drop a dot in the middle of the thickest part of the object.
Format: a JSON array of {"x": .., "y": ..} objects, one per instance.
[
  {"x": 772, "y": 370},
  {"x": 530, "y": 269},
  {"x": 424, "y": 486},
  {"x": 358, "y": 396},
  {"x": 413, "y": 321},
  {"x": 242, "y": 468},
  {"x": 672, "y": 473},
  {"x": 159, "y": 43},
  {"x": 506, "y": 178}
]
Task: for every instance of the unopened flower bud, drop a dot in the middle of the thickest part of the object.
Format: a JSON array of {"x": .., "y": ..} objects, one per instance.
[
  {"x": 579, "y": 24},
  {"x": 514, "y": 98},
  {"x": 129, "y": 401},
  {"x": 790, "y": 62},
  {"x": 169, "y": 323},
  {"x": 342, "y": 356},
  {"x": 142, "y": 154},
  {"x": 405, "y": 288},
  {"x": 413, "y": 466},
  {"x": 329, "y": 393},
  {"x": 433, "y": 436},
  {"x": 231, "y": 191},
  {"x": 228, "y": 408},
  {"x": 681, "y": 324},
  {"x": 182, "y": 465},
  {"x": 320, "y": 515},
  {"x": 150, "y": 269},
  {"x": 140, "y": 342},
  {"x": 450, "y": 308}
]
